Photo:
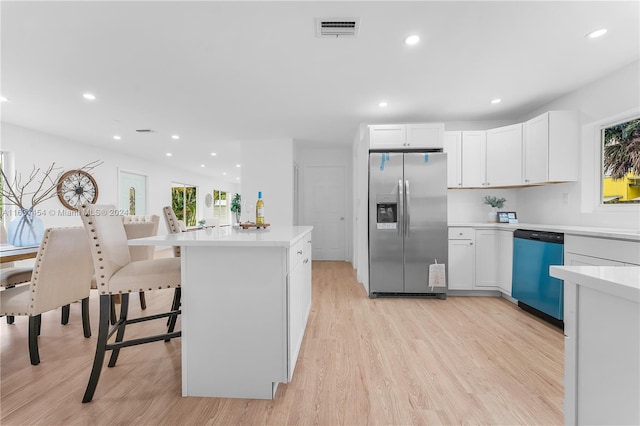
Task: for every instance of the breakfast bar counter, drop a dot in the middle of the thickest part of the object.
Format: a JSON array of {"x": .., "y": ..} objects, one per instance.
[{"x": 246, "y": 297}]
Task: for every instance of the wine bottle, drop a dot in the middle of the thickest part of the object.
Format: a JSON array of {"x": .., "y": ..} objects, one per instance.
[{"x": 260, "y": 210}]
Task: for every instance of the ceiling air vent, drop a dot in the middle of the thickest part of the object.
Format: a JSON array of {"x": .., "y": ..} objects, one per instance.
[
  {"x": 337, "y": 27},
  {"x": 145, "y": 131}
]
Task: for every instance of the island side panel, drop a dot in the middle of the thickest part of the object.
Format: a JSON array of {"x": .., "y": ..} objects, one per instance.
[{"x": 234, "y": 314}]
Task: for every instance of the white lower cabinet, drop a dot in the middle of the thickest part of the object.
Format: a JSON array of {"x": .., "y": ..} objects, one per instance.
[
  {"x": 486, "y": 258},
  {"x": 505, "y": 260},
  {"x": 480, "y": 259},
  {"x": 594, "y": 251},
  {"x": 298, "y": 297}
]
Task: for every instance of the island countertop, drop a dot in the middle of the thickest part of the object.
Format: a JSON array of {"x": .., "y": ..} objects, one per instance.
[
  {"x": 619, "y": 281},
  {"x": 228, "y": 236}
]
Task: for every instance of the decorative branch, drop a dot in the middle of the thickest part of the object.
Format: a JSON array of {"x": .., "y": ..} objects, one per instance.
[{"x": 14, "y": 192}]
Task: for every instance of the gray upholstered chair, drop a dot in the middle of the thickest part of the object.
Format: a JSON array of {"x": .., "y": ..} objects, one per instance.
[
  {"x": 62, "y": 275},
  {"x": 117, "y": 274}
]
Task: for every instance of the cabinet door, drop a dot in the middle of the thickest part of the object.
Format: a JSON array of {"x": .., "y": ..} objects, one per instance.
[
  {"x": 485, "y": 254},
  {"x": 387, "y": 136},
  {"x": 536, "y": 150},
  {"x": 505, "y": 261},
  {"x": 306, "y": 279},
  {"x": 473, "y": 159},
  {"x": 425, "y": 135},
  {"x": 453, "y": 149},
  {"x": 295, "y": 314},
  {"x": 504, "y": 156},
  {"x": 461, "y": 264},
  {"x": 572, "y": 259}
]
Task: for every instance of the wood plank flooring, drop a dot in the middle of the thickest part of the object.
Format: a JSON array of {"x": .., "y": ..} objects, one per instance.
[{"x": 464, "y": 360}]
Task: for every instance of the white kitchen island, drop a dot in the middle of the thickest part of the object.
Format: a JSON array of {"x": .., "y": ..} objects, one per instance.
[
  {"x": 602, "y": 344},
  {"x": 246, "y": 297}
]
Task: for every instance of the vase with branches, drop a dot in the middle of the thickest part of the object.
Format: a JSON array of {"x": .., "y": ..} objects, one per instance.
[{"x": 26, "y": 229}]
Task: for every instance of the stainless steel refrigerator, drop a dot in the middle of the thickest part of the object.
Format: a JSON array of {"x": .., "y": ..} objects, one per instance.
[{"x": 407, "y": 222}]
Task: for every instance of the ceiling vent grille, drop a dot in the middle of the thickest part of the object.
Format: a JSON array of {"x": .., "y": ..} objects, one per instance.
[
  {"x": 145, "y": 131},
  {"x": 337, "y": 27}
]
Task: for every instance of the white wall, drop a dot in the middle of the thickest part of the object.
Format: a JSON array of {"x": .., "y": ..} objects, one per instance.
[
  {"x": 31, "y": 148},
  {"x": 267, "y": 166},
  {"x": 607, "y": 97}
]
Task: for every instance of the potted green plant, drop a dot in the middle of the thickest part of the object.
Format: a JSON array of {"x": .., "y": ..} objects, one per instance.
[
  {"x": 495, "y": 203},
  {"x": 236, "y": 206}
]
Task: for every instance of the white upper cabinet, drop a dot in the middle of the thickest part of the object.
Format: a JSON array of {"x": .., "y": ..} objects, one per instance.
[
  {"x": 551, "y": 148},
  {"x": 504, "y": 156},
  {"x": 406, "y": 136},
  {"x": 474, "y": 173},
  {"x": 453, "y": 149}
]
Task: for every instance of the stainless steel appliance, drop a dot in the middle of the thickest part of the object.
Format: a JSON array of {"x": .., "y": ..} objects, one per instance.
[{"x": 407, "y": 222}]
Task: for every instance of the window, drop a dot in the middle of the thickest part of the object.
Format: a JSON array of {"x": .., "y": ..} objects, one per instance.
[
  {"x": 133, "y": 193},
  {"x": 184, "y": 202},
  {"x": 620, "y": 162},
  {"x": 221, "y": 206}
]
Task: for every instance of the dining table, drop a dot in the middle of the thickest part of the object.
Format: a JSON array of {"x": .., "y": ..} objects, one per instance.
[{"x": 10, "y": 253}]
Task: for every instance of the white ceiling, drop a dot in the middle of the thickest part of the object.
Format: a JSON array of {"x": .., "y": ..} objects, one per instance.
[{"x": 217, "y": 73}]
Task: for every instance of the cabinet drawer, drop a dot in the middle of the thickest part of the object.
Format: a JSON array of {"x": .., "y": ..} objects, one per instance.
[
  {"x": 296, "y": 252},
  {"x": 461, "y": 233}
]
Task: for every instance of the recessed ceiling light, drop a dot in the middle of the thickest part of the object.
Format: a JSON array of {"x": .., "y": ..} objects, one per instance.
[
  {"x": 496, "y": 101},
  {"x": 237, "y": 165},
  {"x": 213, "y": 154},
  {"x": 117, "y": 137},
  {"x": 237, "y": 178},
  {"x": 89, "y": 96},
  {"x": 383, "y": 104},
  {"x": 412, "y": 40},
  {"x": 169, "y": 154},
  {"x": 597, "y": 33},
  {"x": 176, "y": 137},
  {"x": 3, "y": 99},
  {"x": 224, "y": 173},
  {"x": 201, "y": 165}
]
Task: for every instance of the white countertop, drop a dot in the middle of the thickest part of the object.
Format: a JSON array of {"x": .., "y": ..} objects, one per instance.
[
  {"x": 620, "y": 281},
  {"x": 279, "y": 236},
  {"x": 588, "y": 231}
]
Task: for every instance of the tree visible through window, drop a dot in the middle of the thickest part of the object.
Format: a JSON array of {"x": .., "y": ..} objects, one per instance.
[
  {"x": 221, "y": 206},
  {"x": 621, "y": 163},
  {"x": 184, "y": 203}
]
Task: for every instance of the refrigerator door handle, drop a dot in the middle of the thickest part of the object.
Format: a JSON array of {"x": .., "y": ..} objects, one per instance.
[
  {"x": 407, "y": 195},
  {"x": 400, "y": 209}
]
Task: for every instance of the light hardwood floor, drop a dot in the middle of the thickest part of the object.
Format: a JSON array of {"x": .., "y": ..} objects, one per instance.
[{"x": 387, "y": 361}]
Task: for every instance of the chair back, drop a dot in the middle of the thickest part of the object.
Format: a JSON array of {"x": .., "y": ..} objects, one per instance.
[
  {"x": 3, "y": 234},
  {"x": 107, "y": 241},
  {"x": 173, "y": 226},
  {"x": 140, "y": 226},
  {"x": 62, "y": 271}
]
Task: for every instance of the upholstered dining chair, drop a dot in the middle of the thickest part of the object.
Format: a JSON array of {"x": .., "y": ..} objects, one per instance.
[
  {"x": 174, "y": 226},
  {"x": 11, "y": 275},
  {"x": 62, "y": 275},
  {"x": 139, "y": 226},
  {"x": 117, "y": 274}
]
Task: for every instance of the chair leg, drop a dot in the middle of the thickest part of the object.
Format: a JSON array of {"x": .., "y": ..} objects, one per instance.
[
  {"x": 124, "y": 307},
  {"x": 101, "y": 346},
  {"x": 113, "y": 310},
  {"x": 86, "y": 324},
  {"x": 10, "y": 319},
  {"x": 39, "y": 324},
  {"x": 65, "y": 314},
  {"x": 34, "y": 326},
  {"x": 143, "y": 300},
  {"x": 174, "y": 307}
]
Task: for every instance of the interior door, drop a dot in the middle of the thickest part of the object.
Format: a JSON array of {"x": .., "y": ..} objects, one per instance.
[
  {"x": 426, "y": 239},
  {"x": 325, "y": 209}
]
